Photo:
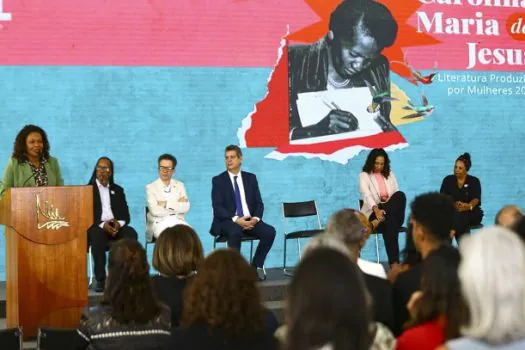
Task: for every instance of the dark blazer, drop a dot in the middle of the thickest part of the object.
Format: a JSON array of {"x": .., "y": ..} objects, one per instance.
[
  {"x": 405, "y": 284},
  {"x": 170, "y": 291},
  {"x": 223, "y": 199},
  {"x": 119, "y": 206},
  {"x": 204, "y": 337},
  {"x": 381, "y": 292}
]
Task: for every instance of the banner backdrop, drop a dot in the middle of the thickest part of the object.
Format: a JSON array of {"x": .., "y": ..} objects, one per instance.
[{"x": 306, "y": 90}]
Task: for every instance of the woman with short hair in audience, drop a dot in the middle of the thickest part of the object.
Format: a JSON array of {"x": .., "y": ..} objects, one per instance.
[
  {"x": 436, "y": 310},
  {"x": 491, "y": 273},
  {"x": 222, "y": 308},
  {"x": 465, "y": 190},
  {"x": 129, "y": 317},
  {"x": 178, "y": 252},
  {"x": 383, "y": 203},
  {"x": 328, "y": 306}
]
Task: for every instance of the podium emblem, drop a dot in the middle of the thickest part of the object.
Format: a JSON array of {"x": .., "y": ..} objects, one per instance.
[{"x": 47, "y": 216}]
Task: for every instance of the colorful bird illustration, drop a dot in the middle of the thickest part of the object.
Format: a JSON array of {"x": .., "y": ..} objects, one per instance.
[
  {"x": 419, "y": 111},
  {"x": 380, "y": 90},
  {"x": 417, "y": 76}
]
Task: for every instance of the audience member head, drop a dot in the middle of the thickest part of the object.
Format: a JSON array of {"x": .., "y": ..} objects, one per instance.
[
  {"x": 508, "y": 216},
  {"x": 128, "y": 289},
  {"x": 346, "y": 225},
  {"x": 440, "y": 295},
  {"x": 103, "y": 172},
  {"x": 224, "y": 295},
  {"x": 31, "y": 142},
  {"x": 363, "y": 28},
  {"x": 462, "y": 165},
  {"x": 519, "y": 228},
  {"x": 432, "y": 220},
  {"x": 167, "y": 164},
  {"x": 377, "y": 162},
  {"x": 327, "y": 303},
  {"x": 491, "y": 275},
  {"x": 178, "y": 252},
  {"x": 325, "y": 240}
]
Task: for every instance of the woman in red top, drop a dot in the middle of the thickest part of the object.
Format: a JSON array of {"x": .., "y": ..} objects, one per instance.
[{"x": 437, "y": 310}]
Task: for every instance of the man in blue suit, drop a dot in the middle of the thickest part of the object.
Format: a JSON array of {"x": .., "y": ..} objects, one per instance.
[{"x": 238, "y": 207}]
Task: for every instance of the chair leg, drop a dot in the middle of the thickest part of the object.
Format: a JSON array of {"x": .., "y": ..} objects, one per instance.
[
  {"x": 214, "y": 243},
  {"x": 90, "y": 264},
  {"x": 377, "y": 247},
  {"x": 299, "y": 248},
  {"x": 251, "y": 251},
  {"x": 286, "y": 272}
]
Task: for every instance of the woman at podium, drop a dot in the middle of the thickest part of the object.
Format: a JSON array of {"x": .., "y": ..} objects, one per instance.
[{"x": 30, "y": 163}]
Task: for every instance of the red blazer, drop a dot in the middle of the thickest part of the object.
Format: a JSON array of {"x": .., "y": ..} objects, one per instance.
[{"x": 426, "y": 336}]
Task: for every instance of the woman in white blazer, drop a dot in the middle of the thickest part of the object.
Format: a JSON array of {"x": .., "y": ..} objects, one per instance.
[
  {"x": 166, "y": 199},
  {"x": 383, "y": 203}
]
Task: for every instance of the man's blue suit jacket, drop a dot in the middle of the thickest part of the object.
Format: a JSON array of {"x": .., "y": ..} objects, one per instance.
[{"x": 223, "y": 199}]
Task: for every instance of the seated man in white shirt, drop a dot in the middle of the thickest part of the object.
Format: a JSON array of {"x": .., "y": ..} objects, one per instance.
[
  {"x": 111, "y": 217},
  {"x": 166, "y": 199}
]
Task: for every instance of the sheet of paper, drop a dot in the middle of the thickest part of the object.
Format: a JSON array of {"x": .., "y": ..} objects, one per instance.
[{"x": 314, "y": 106}]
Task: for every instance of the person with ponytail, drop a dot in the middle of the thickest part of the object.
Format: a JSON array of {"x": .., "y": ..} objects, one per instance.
[
  {"x": 129, "y": 316},
  {"x": 465, "y": 190}
]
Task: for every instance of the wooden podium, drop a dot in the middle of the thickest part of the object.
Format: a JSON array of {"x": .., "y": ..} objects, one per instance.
[{"x": 46, "y": 250}]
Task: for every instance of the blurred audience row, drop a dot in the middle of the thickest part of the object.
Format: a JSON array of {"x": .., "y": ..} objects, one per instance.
[{"x": 438, "y": 298}]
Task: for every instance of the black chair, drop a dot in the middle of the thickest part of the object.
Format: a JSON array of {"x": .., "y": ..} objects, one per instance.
[
  {"x": 55, "y": 338},
  {"x": 299, "y": 210},
  {"x": 147, "y": 239},
  {"x": 245, "y": 238},
  {"x": 377, "y": 233},
  {"x": 11, "y": 339}
]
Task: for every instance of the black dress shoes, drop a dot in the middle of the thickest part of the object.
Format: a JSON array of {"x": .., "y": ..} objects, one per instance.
[{"x": 99, "y": 286}]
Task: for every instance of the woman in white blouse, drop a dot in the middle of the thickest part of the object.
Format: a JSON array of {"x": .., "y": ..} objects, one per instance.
[
  {"x": 167, "y": 199},
  {"x": 383, "y": 203}
]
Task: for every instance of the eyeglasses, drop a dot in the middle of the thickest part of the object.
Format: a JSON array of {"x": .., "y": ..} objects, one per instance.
[
  {"x": 103, "y": 168},
  {"x": 165, "y": 168}
]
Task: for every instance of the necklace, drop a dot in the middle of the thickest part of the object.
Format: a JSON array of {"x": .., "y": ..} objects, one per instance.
[{"x": 337, "y": 84}]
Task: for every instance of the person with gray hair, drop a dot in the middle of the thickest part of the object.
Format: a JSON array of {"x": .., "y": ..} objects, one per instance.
[
  {"x": 352, "y": 228},
  {"x": 509, "y": 216},
  {"x": 346, "y": 225},
  {"x": 491, "y": 275}
]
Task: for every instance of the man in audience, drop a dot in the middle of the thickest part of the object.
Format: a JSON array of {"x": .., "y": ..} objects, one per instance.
[
  {"x": 238, "y": 207},
  {"x": 346, "y": 226},
  {"x": 432, "y": 221},
  {"x": 508, "y": 216},
  {"x": 110, "y": 216}
]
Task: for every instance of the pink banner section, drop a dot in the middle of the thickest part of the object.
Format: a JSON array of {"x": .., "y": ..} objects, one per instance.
[
  {"x": 474, "y": 37},
  {"x": 147, "y": 32}
]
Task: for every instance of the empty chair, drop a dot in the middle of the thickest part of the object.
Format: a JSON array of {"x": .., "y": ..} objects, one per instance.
[
  {"x": 11, "y": 339},
  {"x": 56, "y": 338},
  {"x": 299, "y": 210}
]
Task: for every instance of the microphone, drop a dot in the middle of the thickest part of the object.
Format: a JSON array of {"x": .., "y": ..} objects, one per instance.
[
  {"x": 27, "y": 180},
  {"x": 32, "y": 174}
]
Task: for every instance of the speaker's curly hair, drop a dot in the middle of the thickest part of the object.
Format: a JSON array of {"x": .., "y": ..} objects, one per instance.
[
  {"x": 20, "y": 148},
  {"x": 224, "y": 295}
]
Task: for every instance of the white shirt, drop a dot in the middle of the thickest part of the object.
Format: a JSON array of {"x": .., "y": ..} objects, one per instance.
[
  {"x": 371, "y": 268},
  {"x": 107, "y": 213},
  {"x": 244, "y": 204}
]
